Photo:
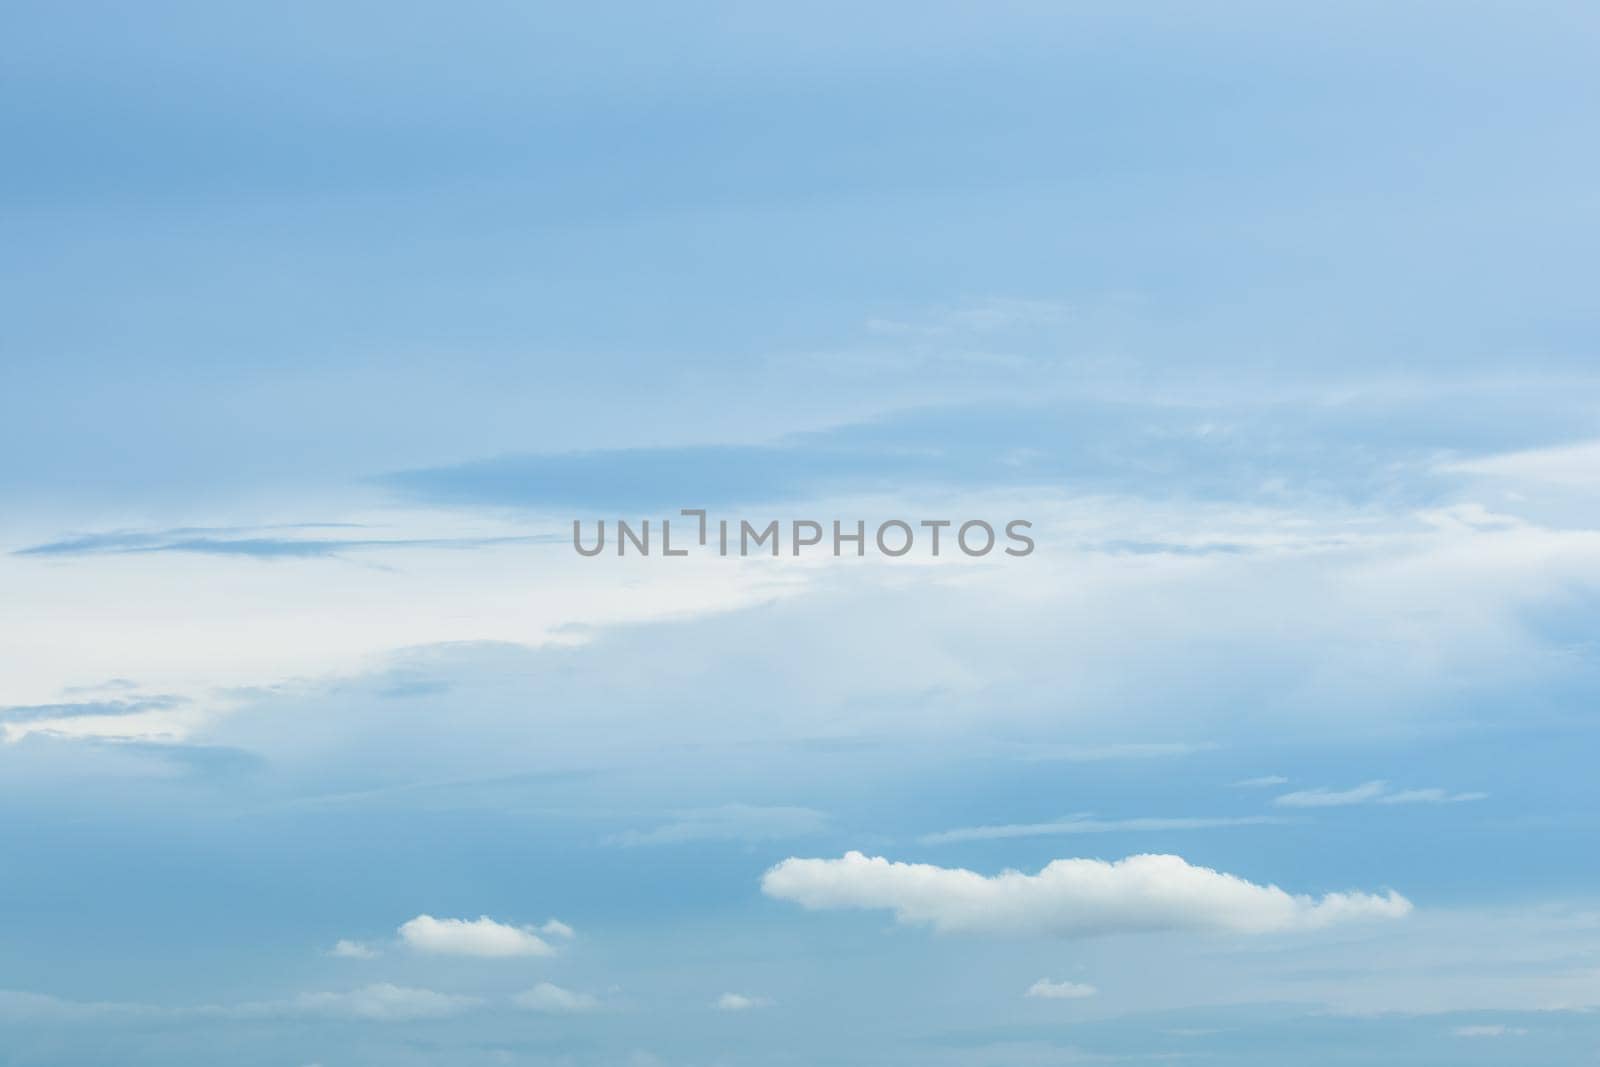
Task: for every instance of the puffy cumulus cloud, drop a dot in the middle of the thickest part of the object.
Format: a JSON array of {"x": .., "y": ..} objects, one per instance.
[
  {"x": 380, "y": 1003},
  {"x": 1045, "y": 989},
  {"x": 1069, "y": 897},
  {"x": 473, "y": 937},
  {"x": 740, "y": 1002},
  {"x": 553, "y": 1000}
]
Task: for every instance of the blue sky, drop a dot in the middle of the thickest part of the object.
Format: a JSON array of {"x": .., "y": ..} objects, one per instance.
[{"x": 321, "y": 324}]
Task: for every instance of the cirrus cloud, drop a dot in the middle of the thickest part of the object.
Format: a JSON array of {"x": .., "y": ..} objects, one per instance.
[
  {"x": 1377, "y": 792},
  {"x": 1068, "y": 897}
]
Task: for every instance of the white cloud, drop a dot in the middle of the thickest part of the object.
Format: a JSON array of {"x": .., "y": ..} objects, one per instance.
[
  {"x": 1069, "y": 897},
  {"x": 1082, "y": 825},
  {"x": 557, "y": 928},
  {"x": 553, "y": 1000},
  {"x": 473, "y": 937},
  {"x": 1371, "y": 793},
  {"x": 740, "y": 1002},
  {"x": 353, "y": 950},
  {"x": 1262, "y": 782},
  {"x": 382, "y": 1002},
  {"x": 1045, "y": 989},
  {"x": 1495, "y": 1030}
]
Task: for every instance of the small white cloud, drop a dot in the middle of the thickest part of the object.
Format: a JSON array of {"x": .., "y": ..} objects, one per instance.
[
  {"x": 1045, "y": 989},
  {"x": 740, "y": 1002},
  {"x": 1377, "y": 792},
  {"x": 553, "y": 1000},
  {"x": 1262, "y": 782},
  {"x": 557, "y": 928},
  {"x": 1495, "y": 1030},
  {"x": 472, "y": 937},
  {"x": 353, "y": 950},
  {"x": 1068, "y": 898}
]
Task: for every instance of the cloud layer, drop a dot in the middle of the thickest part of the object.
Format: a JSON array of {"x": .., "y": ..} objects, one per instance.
[{"x": 1068, "y": 898}]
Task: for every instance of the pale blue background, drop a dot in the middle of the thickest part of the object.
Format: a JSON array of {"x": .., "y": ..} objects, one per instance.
[{"x": 513, "y": 259}]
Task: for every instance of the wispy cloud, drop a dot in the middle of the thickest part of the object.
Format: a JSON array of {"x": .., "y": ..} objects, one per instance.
[
  {"x": 375, "y": 1003},
  {"x": 553, "y": 1000},
  {"x": 1488, "y": 1030},
  {"x": 380, "y": 1002},
  {"x": 22, "y": 1006},
  {"x": 1102, "y": 753},
  {"x": 90, "y": 708},
  {"x": 730, "y": 822},
  {"x": 1574, "y": 465},
  {"x": 1086, "y": 825},
  {"x": 1045, "y": 989},
  {"x": 1374, "y": 792},
  {"x": 1068, "y": 898},
  {"x": 224, "y": 541},
  {"x": 1264, "y": 782}
]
